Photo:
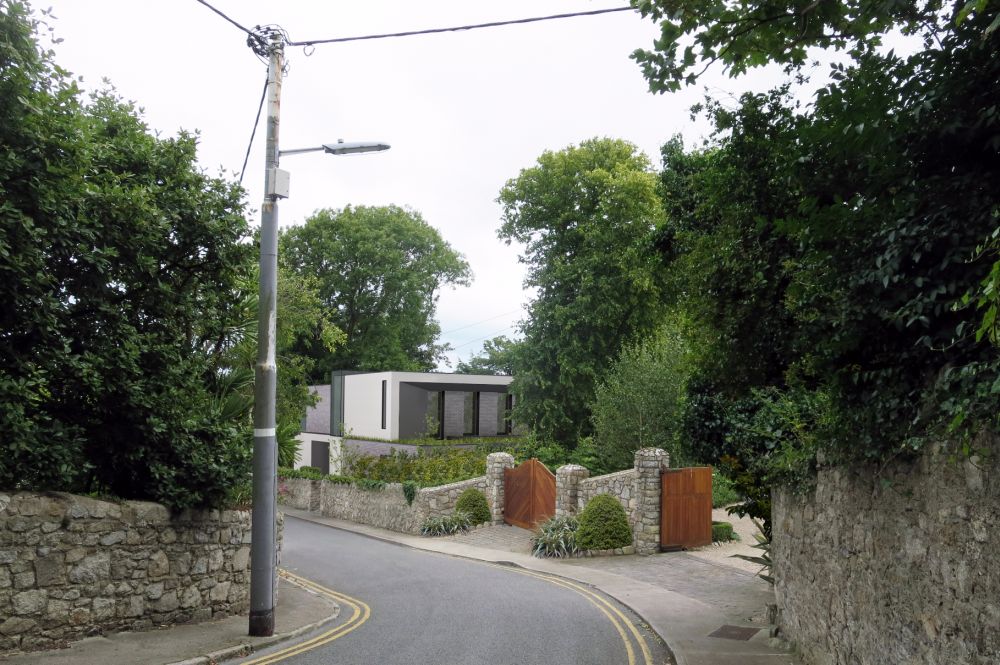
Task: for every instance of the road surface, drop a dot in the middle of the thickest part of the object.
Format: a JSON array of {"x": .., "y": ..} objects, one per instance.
[{"x": 410, "y": 607}]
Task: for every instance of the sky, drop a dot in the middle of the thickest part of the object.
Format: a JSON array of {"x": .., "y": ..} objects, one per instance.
[{"x": 464, "y": 112}]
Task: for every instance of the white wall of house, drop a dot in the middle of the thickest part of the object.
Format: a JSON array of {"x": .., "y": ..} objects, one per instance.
[
  {"x": 363, "y": 405},
  {"x": 306, "y": 439}
]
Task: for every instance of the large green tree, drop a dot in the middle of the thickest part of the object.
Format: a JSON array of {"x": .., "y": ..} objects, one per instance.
[
  {"x": 497, "y": 357},
  {"x": 119, "y": 260},
  {"x": 379, "y": 271},
  {"x": 849, "y": 235},
  {"x": 587, "y": 218}
]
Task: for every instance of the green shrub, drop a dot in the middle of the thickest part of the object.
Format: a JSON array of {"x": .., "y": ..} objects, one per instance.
[
  {"x": 307, "y": 472},
  {"x": 723, "y": 491},
  {"x": 474, "y": 504},
  {"x": 444, "y": 525},
  {"x": 722, "y": 532},
  {"x": 603, "y": 525},
  {"x": 409, "y": 491},
  {"x": 556, "y": 538},
  {"x": 764, "y": 560},
  {"x": 369, "y": 484},
  {"x": 338, "y": 480},
  {"x": 438, "y": 465}
]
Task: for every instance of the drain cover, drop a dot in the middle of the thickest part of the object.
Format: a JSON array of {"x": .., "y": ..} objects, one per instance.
[{"x": 734, "y": 633}]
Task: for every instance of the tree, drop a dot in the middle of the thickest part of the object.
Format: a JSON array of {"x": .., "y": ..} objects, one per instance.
[
  {"x": 639, "y": 402},
  {"x": 300, "y": 313},
  {"x": 856, "y": 247},
  {"x": 379, "y": 271},
  {"x": 497, "y": 357},
  {"x": 587, "y": 217},
  {"x": 118, "y": 262}
]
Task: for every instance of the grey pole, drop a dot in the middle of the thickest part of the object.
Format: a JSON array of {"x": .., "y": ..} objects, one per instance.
[{"x": 265, "y": 449}]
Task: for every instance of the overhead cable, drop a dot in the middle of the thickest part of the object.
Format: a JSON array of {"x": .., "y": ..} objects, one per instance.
[
  {"x": 253, "y": 133},
  {"x": 476, "y": 26}
]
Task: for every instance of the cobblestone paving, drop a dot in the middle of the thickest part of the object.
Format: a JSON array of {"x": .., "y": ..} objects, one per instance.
[{"x": 504, "y": 537}]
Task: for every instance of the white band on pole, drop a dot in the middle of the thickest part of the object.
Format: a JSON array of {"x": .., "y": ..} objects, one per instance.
[{"x": 264, "y": 432}]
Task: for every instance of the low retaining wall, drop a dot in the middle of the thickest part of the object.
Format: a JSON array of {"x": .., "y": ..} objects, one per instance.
[
  {"x": 385, "y": 508},
  {"x": 893, "y": 565},
  {"x": 71, "y": 567}
]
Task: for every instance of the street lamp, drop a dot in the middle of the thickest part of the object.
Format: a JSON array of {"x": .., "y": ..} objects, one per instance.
[{"x": 265, "y": 446}]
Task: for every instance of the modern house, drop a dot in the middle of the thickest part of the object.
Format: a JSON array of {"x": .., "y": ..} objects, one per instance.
[{"x": 396, "y": 406}]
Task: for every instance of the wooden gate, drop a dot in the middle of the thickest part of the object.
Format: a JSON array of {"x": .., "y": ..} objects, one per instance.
[
  {"x": 529, "y": 494},
  {"x": 685, "y": 508}
]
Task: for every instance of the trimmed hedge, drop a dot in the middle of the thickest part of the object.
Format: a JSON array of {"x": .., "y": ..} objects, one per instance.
[
  {"x": 603, "y": 525},
  {"x": 474, "y": 504}
]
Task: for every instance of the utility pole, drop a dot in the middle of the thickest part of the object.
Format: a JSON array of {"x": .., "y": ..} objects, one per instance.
[{"x": 263, "y": 545}]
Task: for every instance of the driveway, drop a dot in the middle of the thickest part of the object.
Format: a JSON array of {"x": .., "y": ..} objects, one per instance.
[{"x": 408, "y": 606}]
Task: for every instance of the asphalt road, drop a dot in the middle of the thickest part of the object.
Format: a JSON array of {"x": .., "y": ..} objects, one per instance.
[{"x": 408, "y": 607}]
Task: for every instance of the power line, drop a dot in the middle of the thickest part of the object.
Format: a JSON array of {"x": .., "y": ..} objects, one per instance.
[
  {"x": 446, "y": 332},
  {"x": 263, "y": 93},
  {"x": 479, "y": 339},
  {"x": 220, "y": 13},
  {"x": 476, "y": 26}
]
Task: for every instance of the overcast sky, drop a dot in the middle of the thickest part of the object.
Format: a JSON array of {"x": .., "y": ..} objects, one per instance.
[{"x": 464, "y": 112}]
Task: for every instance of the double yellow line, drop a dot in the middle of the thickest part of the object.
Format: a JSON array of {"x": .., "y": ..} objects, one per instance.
[
  {"x": 614, "y": 615},
  {"x": 360, "y": 614}
]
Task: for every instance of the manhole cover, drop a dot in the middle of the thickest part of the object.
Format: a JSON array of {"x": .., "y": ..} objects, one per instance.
[{"x": 734, "y": 633}]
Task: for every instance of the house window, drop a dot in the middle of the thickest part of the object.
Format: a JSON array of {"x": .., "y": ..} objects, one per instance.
[{"x": 383, "y": 404}]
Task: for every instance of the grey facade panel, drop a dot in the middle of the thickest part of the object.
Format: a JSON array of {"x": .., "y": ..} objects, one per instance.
[
  {"x": 454, "y": 413},
  {"x": 412, "y": 411},
  {"x": 488, "y": 408},
  {"x": 318, "y": 417}
]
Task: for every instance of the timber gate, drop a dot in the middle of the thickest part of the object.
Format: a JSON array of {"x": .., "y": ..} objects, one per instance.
[
  {"x": 685, "y": 507},
  {"x": 529, "y": 494}
]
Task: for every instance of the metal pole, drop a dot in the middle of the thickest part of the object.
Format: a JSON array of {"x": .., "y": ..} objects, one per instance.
[{"x": 263, "y": 537}]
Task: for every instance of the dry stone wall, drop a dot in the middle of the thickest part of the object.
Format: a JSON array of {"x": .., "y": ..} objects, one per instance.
[
  {"x": 71, "y": 567},
  {"x": 893, "y": 565},
  {"x": 387, "y": 508}
]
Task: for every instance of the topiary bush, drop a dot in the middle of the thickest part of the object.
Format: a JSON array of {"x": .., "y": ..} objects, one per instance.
[
  {"x": 556, "y": 538},
  {"x": 473, "y": 503},
  {"x": 603, "y": 525}
]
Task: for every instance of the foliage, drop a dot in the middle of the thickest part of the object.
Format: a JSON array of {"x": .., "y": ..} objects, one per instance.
[
  {"x": 473, "y": 503},
  {"x": 496, "y": 358},
  {"x": 410, "y": 491},
  {"x": 306, "y": 472},
  {"x": 118, "y": 261},
  {"x": 722, "y": 532},
  {"x": 369, "y": 484},
  {"x": 436, "y": 466},
  {"x": 240, "y": 496},
  {"x": 585, "y": 216},
  {"x": 556, "y": 538},
  {"x": 698, "y": 33},
  {"x": 445, "y": 525},
  {"x": 638, "y": 403},
  {"x": 379, "y": 270},
  {"x": 554, "y": 455},
  {"x": 837, "y": 259},
  {"x": 603, "y": 525},
  {"x": 723, "y": 492},
  {"x": 764, "y": 559}
]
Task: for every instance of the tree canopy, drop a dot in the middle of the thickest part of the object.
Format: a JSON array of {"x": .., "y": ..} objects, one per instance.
[
  {"x": 379, "y": 272},
  {"x": 497, "y": 358},
  {"x": 586, "y": 216},
  {"x": 118, "y": 263}
]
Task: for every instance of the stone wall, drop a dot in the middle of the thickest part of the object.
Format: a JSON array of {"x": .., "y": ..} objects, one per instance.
[
  {"x": 387, "y": 508},
  {"x": 299, "y": 493},
  {"x": 893, "y": 565},
  {"x": 620, "y": 485},
  {"x": 637, "y": 489},
  {"x": 72, "y": 566}
]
